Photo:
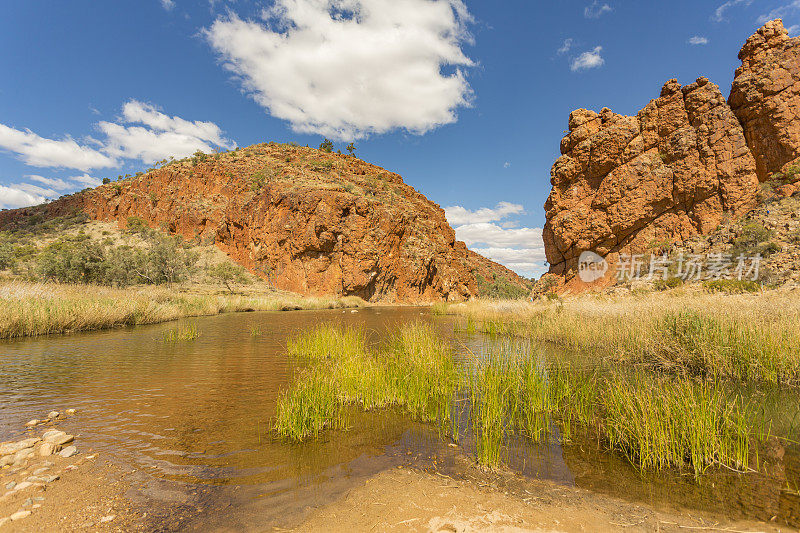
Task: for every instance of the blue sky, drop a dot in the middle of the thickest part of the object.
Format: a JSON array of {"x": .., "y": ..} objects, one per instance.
[{"x": 468, "y": 101}]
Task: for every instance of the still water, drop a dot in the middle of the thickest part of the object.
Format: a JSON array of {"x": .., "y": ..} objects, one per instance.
[{"x": 193, "y": 418}]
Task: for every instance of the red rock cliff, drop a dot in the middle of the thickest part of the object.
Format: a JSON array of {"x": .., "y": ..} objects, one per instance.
[
  {"x": 765, "y": 96},
  {"x": 687, "y": 159},
  {"x": 626, "y": 184},
  {"x": 308, "y": 221}
]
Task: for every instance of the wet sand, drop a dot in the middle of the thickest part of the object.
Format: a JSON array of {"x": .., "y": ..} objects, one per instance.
[{"x": 399, "y": 499}]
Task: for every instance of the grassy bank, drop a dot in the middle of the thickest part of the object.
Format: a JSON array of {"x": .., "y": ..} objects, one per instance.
[
  {"x": 740, "y": 337},
  {"x": 28, "y": 309},
  {"x": 655, "y": 421}
]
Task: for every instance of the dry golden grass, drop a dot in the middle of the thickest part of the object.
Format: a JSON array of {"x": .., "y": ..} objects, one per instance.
[
  {"x": 745, "y": 336},
  {"x": 28, "y": 309}
]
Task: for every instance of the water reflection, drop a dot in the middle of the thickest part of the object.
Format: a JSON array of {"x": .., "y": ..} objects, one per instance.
[{"x": 197, "y": 413}]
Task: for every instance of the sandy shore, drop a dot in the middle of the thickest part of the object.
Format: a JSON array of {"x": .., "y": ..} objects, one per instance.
[
  {"x": 65, "y": 487},
  {"x": 408, "y": 500},
  {"x": 93, "y": 494}
]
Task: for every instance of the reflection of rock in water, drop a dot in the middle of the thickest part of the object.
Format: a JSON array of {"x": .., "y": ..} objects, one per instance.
[{"x": 752, "y": 496}]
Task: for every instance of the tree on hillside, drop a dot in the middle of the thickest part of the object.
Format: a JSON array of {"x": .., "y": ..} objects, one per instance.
[
  {"x": 326, "y": 145},
  {"x": 351, "y": 148},
  {"x": 228, "y": 274}
]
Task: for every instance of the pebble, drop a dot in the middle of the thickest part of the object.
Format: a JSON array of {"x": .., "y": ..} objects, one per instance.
[
  {"x": 50, "y": 432},
  {"x": 47, "y": 449},
  {"x": 62, "y": 440},
  {"x": 22, "y": 455},
  {"x": 69, "y": 451},
  {"x": 10, "y": 485},
  {"x": 40, "y": 471},
  {"x": 13, "y": 447},
  {"x": 28, "y": 502},
  {"x": 49, "y": 479},
  {"x": 32, "y": 423},
  {"x": 70, "y": 411},
  {"x": 108, "y": 518},
  {"x": 53, "y": 414},
  {"x": 3, "y": 521},
  {"x": 22, "y": 486},
  {"x": 19, "y": 515},
  {"x": 36, "y": 505},
  {"x": 7, "y": 460}
]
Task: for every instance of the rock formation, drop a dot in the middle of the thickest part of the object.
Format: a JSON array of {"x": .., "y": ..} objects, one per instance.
[
  {"x": 310, "y": 222},
  {"x": 626, "y": 184},
  {"x": 685, "y": 162},
  {"x": 765, "y": 97}
]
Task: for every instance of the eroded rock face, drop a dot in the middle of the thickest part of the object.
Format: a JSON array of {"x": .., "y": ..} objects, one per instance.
[
  {"x": 629, "y": 184},
  {"x": 765, "y": 96},
  {"x": 309, "y": 222}
]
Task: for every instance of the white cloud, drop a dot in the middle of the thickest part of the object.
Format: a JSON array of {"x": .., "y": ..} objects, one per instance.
[
  {"x": 168, "y": 4},
  {"x": 492, "y": 234},
  {"x": 591, "y": 59},
  {"x": 527, "y": 261},
  {"x": 566, "y": 46},
  {"x": 39, "y": 151},
  {"x": 54, "y": 183},
  {"x": 349, "y": 68},
  {"x": 793, "y": 30},
  {"x": 697, "y": 39},
  {"x": 520, "y": 249},
  {"x": 506, "y": 164},
  {"x": 12, "y": 197},
  {"x": 719, "y": 13},
  {"x": 457, "y": 215},
  {"x": 87, "y": 181},
  {"x": 780, "y": 12},
  {"x": 161, "y": 137},
  {"x": 596, "y": 10}
]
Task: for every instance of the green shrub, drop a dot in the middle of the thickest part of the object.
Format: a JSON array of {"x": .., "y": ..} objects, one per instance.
[
  {"x": 500, "y": 288},
  {"x": 136, "y": 225},
  {"x": 669, "y": 283},
  {"x": 229, "y": 274},
  {"x": 73, "y": 260},
  {"x": 732, "y": 286},
  {"x": 749, "y": 242},
  {"x": 326, "y": 145},
  {"x": 106, "y": 181}
]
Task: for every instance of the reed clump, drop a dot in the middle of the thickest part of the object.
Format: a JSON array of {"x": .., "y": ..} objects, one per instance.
[
  {"x": 184, "y": 333},
  {"x": 417, "y": 373},
  {"x": 656, "y": 421}
]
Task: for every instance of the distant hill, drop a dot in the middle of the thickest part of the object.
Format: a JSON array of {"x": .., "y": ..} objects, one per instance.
[{"x": 306, "y": 220}]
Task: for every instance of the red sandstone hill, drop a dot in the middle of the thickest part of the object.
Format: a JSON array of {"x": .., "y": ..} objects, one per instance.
[
  {"x": 689, "y": 160},
  {"x": 308, "y": 221}
]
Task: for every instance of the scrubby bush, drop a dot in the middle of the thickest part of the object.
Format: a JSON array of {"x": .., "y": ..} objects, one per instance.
[
  {"x": 732, "y": 286},
  {"x": 72, "y": 260},
  {"x": 754, "y": 239},
  {"x": 669, "y": 283},
  {"x": 229, "y": 274},
  {"x": 499, "y": 288},
  {"x": 326, "y": 145}
]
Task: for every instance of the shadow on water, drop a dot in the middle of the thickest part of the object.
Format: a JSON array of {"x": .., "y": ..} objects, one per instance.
[{"x": 196, "y": 415}]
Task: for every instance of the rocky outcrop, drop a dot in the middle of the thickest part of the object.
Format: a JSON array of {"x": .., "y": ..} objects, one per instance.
[
  {"x": 633, "y": 183},
  {"x": 307, "y": 221},
  {"x": 765, "y": 96},
  {"x": 687, "y": 161}
]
